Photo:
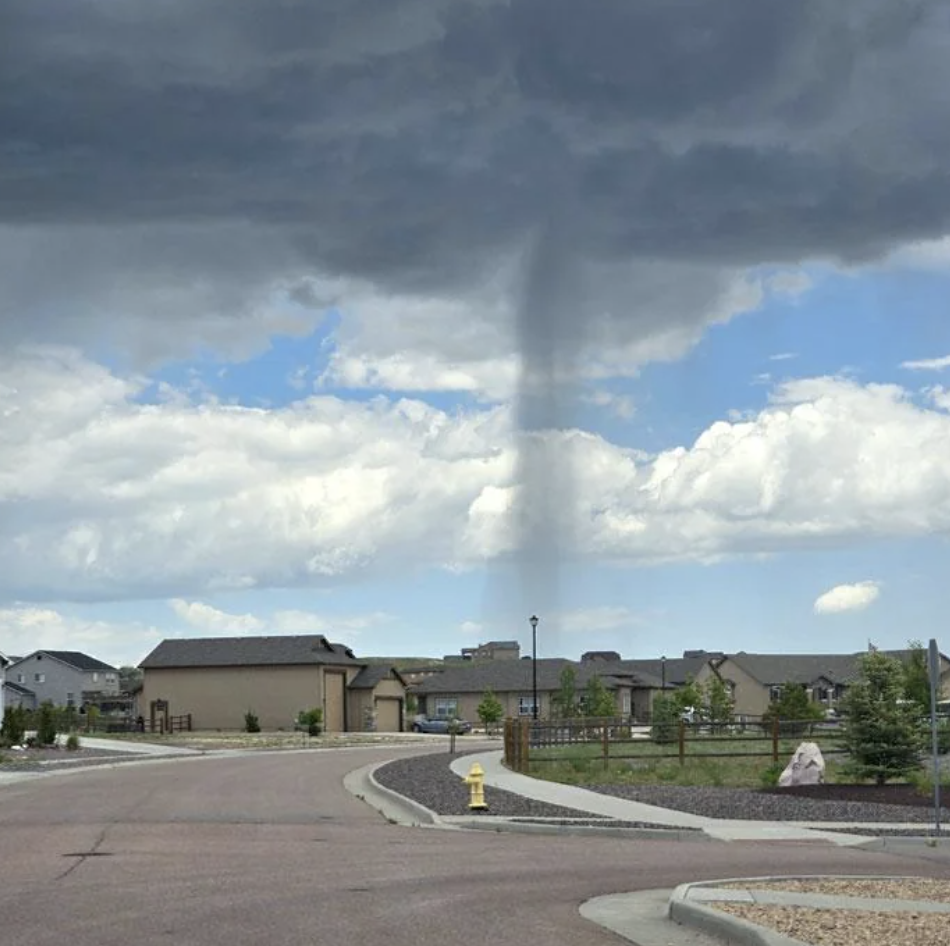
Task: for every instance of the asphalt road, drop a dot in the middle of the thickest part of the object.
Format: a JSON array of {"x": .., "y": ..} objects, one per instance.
[{"x": 270, "y": 849}]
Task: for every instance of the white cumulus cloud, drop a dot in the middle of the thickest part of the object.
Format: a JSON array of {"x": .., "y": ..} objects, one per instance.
[{"x": 854, "y": 597}]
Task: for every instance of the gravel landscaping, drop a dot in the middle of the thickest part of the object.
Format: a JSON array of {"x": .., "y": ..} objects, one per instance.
[
  {"x": 752, "y": 805},
  {"x": 428, "y": 780}
]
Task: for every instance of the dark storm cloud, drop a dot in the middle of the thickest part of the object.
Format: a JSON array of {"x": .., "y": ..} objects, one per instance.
[{"x": 412, "y": 143}]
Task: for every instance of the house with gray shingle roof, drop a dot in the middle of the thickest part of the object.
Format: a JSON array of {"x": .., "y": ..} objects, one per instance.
[
  {"x": 757, "y": 679},
  {"x": 218, "y": 679},
  {"x": 457, "y": 690},
  {"x": 62, "y": 677}
]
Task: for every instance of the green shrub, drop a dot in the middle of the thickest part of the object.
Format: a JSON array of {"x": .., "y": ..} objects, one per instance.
[
  {"x": 666, "y": 719},
  {"x": 311, "y": 720},
  {"x": 251, "y": 722},
  {"x": 13, "y": 728},
  {"x": 46, "y": 725},
  {"x": 72, "y": 742},
  {"x": 769, "y": 776}
]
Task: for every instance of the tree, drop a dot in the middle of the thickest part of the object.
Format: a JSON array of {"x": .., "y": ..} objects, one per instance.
[
  {"x": 719, "y": 702},
  {"x": 665, "y": 719},
  {"x": 690, "y": 699},
  {"x": 13, "y": 728},
  {"x": 917, "y": 677},
  {"x": 46, "y": 725},
  {"x": 598, "y": 700},
  {"x": 130, "y": 678},
  {"x": 489, "y": 710},
  {"x": 564, "y": 702},
  {"x": 882, "y": 732},
  {"x": 793, "y": 709}
]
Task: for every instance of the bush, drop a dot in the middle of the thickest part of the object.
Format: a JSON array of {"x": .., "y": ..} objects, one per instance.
[
  {"x": 251, "y": 722},
  {"x": 46, "y": 725},
  {"x": 794, "y": 710},
  {"x": 666, "y": 720},
  {"x": 311, "y": 720},
  {"x": 72, "y": 742},
  {"x": 769, "y": 776},
  {"x": 13, "y": 728}
]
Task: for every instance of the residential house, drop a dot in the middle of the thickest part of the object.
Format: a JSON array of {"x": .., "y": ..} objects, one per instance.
[
  {"x": 217, "y": 680},
  {"x": 61, "y": 677},
  {"x": 458, "y": 690},
  {"x": 4, "y": 663},
  {"x": 493, "y": 650},
  {"x": 757, "y": 679}
]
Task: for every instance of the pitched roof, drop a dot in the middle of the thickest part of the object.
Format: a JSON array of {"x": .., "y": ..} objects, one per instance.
[
  {"x": 73, "y": 658},
  {"x": 369, "y": 676},
  {"x": 273, "y": 651},
  {"x": 515, "y": 675},
  {"x": 677, "y": 670},
  {"x": 17, "y": 688},
  {"x": 776, "y": 669}
]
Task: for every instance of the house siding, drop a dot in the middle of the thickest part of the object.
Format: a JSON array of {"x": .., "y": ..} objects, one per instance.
[
  {"x": 751, "y": 697},
  {"x": 60, "y": 680},
  {"x": 218, "y": 697}
]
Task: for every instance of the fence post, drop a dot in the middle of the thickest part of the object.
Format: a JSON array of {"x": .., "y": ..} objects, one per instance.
[
  {"x": 189, "y": 722},
  {"x": 775, "y": 738},
  {"x": 606, "y": 742},
  {"x": 524, "y": 760},
  {"x": 682, "y": 740}
]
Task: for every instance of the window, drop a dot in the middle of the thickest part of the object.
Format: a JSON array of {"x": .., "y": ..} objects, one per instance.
[
  {"x": 526, "y": 705},
  {"x": 95, "y": 677},
  {"x": 70, "y": 700},
  {"x": 20, "y": 678},
  {"x": 625, "y": 703},
  {"x": 775, "y": 693},
  {"x": 446, "y": 707},
  {"x": 39, "y": 678},
  {"x": 110, "y": 678}
]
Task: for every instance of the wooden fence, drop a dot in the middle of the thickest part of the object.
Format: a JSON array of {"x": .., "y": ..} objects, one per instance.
[{"x": 530, "y": 742}]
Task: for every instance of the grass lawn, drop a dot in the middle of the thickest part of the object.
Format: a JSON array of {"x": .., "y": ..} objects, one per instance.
[{"x": 736, "y": 762}]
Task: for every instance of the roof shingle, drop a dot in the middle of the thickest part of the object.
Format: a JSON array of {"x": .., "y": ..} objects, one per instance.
[{"x": 272, "y": 651}]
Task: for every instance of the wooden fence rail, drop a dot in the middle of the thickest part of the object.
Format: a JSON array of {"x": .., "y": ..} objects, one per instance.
[{"x": 529, "y": 741}]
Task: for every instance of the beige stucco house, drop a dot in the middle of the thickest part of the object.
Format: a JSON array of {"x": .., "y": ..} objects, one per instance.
[
  {"x": 458, "y": 689},
  {"x": 217, "y": 680},
  {"x": 757, "y": 679}
]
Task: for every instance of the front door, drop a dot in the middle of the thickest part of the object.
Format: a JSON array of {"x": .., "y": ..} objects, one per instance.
[{"x": 334, "y": 708}]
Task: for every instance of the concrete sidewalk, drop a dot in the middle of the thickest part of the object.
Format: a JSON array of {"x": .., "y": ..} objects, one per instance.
[{"x": 621, "y": 809}]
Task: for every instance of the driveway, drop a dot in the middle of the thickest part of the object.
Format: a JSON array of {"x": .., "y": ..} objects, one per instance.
[{"x": 270, "y": 848}]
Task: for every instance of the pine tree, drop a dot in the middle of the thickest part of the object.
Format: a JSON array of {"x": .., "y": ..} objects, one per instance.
[{"x": 882, "y": 731}]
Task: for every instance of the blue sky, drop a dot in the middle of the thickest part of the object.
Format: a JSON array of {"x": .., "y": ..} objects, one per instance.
[{"x": 842, "y": 326}]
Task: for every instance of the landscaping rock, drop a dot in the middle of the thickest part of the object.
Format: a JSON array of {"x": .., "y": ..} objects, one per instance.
[{"x": 807, "y": 767}]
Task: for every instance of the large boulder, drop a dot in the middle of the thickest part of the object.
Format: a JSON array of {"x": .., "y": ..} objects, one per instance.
[{"x": 807, "y": 767}]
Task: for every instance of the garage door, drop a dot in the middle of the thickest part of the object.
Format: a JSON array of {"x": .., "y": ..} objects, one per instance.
[
  {"x": 334, "y": 697},
  {"x": 388, "y": 714}
]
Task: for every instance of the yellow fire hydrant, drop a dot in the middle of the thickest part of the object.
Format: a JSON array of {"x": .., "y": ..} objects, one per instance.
[{"x": 476, "y": 782}]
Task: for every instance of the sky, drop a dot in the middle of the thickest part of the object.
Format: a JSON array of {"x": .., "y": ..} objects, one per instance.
[{"x": 402, "y": 320}]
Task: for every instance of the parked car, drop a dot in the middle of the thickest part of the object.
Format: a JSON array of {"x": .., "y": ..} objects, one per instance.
[{"x": 440, "y": 724}]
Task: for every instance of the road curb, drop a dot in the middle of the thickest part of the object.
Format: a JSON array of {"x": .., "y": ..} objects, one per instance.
[
  {"x": 732, "y": 929},
  {"x": 518, "y": 827},
  {"x": 391, "y": 805}
]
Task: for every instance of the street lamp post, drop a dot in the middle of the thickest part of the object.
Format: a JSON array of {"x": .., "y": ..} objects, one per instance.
[
  {"x": 663, "y": 672},
  {"x": 534, "y": 666}
]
